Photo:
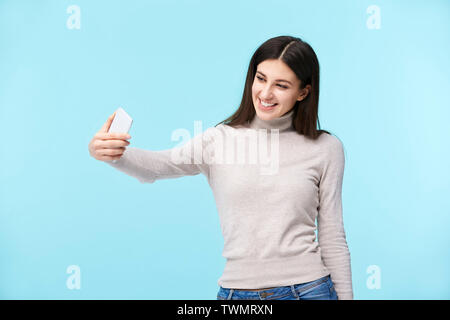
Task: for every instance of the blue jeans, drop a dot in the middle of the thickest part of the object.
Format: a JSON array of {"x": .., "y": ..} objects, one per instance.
[{"x": 320, "y": 289}]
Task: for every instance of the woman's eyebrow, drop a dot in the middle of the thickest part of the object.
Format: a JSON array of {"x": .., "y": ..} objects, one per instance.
[{"x": 275, "y": 80}]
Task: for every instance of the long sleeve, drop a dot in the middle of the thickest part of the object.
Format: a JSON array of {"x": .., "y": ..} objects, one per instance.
[
  {"x": 148, "y": 166},
  {"x": 331, "y": 234}
]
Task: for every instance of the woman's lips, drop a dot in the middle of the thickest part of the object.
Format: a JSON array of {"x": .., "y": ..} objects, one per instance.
[{"x": 265, "y": 108}]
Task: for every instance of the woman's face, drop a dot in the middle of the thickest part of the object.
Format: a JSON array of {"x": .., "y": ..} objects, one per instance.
[{"x": 275, "y": 82}]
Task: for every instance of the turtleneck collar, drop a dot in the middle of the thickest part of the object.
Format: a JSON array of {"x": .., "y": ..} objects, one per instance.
[{"x": 283, "y": 123}]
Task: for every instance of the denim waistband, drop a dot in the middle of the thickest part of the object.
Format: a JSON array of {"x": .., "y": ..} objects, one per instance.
[{"x": 227, "y": 293}]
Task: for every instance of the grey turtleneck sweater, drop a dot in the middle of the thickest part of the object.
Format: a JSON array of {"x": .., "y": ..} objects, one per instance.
[{"x": 270, "y": 185}]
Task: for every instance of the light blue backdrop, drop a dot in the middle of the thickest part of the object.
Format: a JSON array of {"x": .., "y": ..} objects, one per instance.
[{"x": 384, "y": 93}]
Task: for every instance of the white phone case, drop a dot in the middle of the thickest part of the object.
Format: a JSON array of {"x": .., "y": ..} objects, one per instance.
[{"x": 121, "y": 123}]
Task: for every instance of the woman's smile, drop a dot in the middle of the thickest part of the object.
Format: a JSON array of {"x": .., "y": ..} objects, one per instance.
[{"x": 266, "y": 108}]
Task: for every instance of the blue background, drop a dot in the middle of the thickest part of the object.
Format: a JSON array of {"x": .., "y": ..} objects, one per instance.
[{"x": 384, "y": 93}]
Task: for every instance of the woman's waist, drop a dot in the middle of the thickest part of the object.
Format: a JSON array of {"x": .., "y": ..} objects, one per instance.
[{"x": 262, "y": 274}]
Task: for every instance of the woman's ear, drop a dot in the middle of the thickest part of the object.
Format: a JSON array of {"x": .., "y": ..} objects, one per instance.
[{"x": 304, "y": 93}]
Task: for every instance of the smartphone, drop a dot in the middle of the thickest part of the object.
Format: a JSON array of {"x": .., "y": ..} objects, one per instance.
[{"x": 121, "y": 123}]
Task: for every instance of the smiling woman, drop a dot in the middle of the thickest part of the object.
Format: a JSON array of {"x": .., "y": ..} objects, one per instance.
[
  {"x": 275, "y": 98},
  {"x": 268, "y": 217},
  {"x": 283, "y": 75}
]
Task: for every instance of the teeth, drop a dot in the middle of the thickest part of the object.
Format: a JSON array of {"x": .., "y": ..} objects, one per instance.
[{"x": 267, "y": 104}]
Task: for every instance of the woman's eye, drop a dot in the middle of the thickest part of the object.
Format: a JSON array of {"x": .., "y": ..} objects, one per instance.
[{"x": 261, "y": 79}]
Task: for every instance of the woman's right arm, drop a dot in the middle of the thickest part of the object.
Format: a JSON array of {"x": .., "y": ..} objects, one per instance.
[{"x": 148, "y": 165}]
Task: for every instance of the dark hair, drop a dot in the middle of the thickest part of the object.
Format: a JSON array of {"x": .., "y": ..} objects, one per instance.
[{"x": 301, "y": 58}]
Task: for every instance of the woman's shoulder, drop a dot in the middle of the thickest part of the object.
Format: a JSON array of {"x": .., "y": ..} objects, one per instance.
[
  {"x": 330, "y": 145},
  {"x": 230, "y": 130},
  {"x": 225, "y": 126},
  {"x": 329, "y": 139},
  {"x": 216, "y": 131}
]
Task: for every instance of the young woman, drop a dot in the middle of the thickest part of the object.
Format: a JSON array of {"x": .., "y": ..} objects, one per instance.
[{"x": 268, "y": 217}]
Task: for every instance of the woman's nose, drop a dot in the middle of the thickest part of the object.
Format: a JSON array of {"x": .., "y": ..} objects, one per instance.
[{"x": 266, "y": 93}]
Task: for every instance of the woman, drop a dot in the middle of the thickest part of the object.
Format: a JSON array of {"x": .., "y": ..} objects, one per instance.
[{"x": 267, "y": 217}]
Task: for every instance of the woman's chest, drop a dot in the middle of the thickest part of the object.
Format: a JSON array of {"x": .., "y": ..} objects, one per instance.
[{"x": 289, "y": 174}]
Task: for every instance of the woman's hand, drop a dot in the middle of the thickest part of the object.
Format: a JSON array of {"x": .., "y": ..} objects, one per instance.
[{"x": 106, "y": 146}]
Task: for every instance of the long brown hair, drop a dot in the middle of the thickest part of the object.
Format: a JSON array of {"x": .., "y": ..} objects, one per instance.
[{"x": 301, "y": 58}]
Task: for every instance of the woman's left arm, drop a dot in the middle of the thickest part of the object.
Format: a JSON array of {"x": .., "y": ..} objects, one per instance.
[{"x": 331, "y": 234}]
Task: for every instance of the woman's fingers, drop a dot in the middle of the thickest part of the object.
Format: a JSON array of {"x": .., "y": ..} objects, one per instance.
[
  {"x": 112, "y": 135},
  {"x": 107, "y": 146},
  {"x": 111, "y": 152},
  {"x": 111, "y": 144},
  {"x": 108, "y": 122}
]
